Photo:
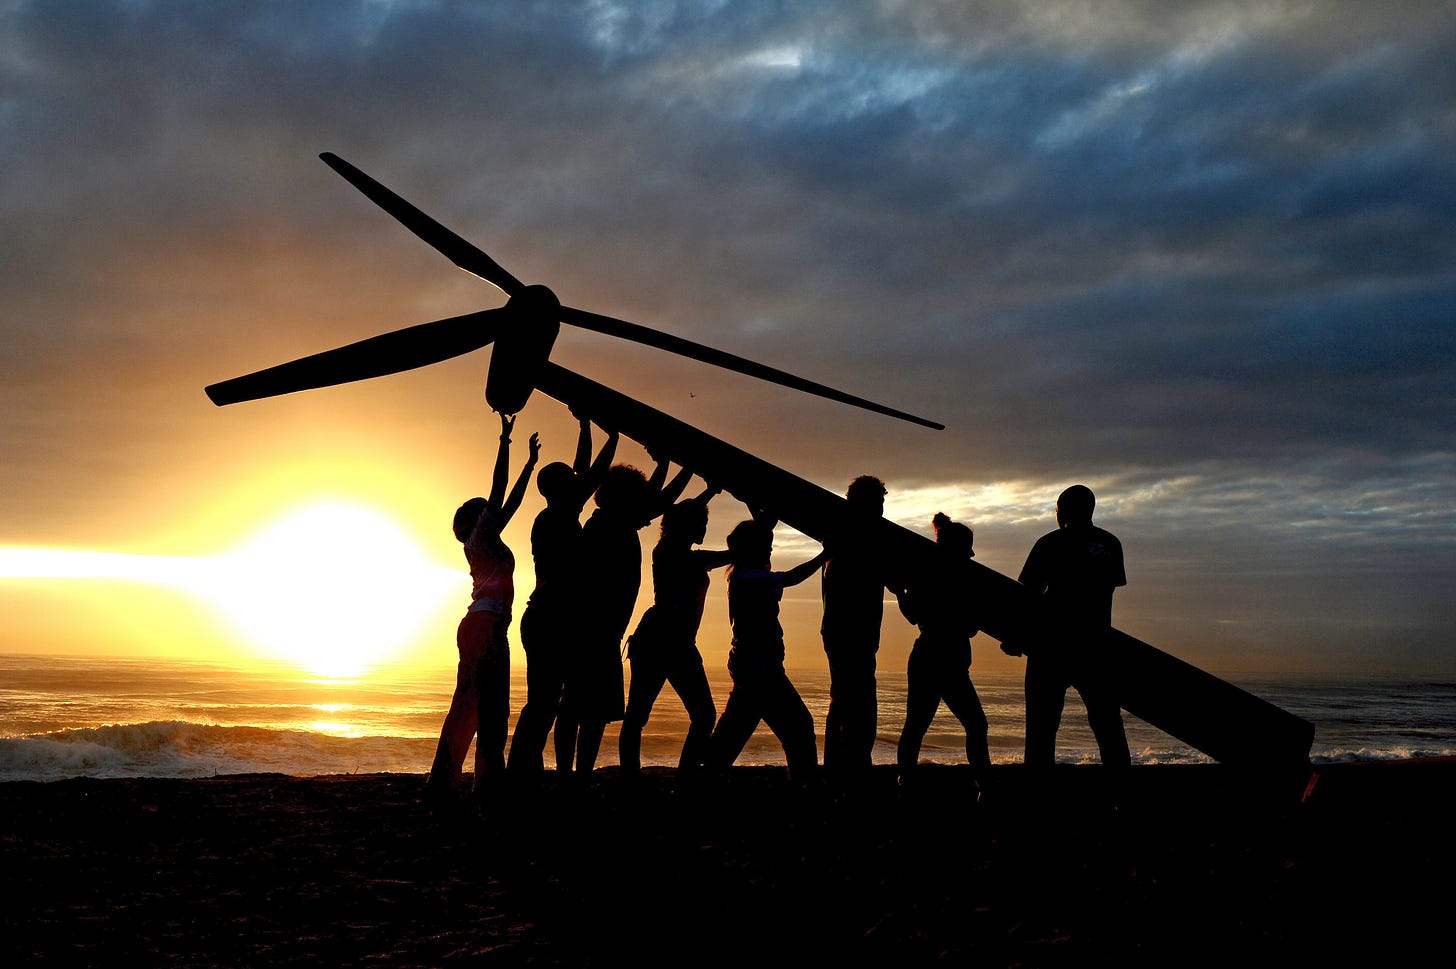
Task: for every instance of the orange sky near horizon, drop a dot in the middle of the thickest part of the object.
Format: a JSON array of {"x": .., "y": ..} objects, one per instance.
[
  {"x": 341, "y": 561},
  {"x": 1199, "y": 261},
  {"x": 411, "y": 446}
]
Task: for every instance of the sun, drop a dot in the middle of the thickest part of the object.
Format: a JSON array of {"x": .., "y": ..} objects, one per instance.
[{"x": 333, "y": 586}]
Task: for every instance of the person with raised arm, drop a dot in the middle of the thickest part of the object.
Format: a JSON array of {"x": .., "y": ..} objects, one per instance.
[
  {"x": 664, "y": 648},
  {"x": 481, "y": 703},
  {"x": 611, "y": 562},
  {"x": 549, "y": 627},
  {"x": 761, "y": 689}
]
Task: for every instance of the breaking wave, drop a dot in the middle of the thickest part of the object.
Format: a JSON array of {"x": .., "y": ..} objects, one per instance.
[{"x": 179, "y": 749}]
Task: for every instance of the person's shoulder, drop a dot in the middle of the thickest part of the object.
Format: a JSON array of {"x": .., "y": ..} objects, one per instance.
[{"x": 1051, "y": 539}]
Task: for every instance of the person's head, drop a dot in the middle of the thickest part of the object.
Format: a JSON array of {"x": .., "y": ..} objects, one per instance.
[
  {"x": 466, "y": 517},
  {"x": 1074, "y": 506},
  {"x": 686, "y": 521},
  {"x": 751, "y": 543},
  {"x": 866, "y": 496},
  {"x": 954, "y": 537},
  {"x": 623, "y": 490},
  {"x": 555, "y": 481}
]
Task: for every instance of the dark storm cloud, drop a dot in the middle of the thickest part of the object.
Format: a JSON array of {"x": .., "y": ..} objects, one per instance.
[{"x": 1201, "y": 253}]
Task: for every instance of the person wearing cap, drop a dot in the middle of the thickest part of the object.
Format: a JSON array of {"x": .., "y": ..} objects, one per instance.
[
  {"x": 940, "y": 659},
  {"x": 481, "y": 703},
  {"x": 1073, "y": 572}
]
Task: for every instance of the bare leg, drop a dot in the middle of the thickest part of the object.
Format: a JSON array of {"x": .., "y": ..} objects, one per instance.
[
  {"x": 647, "y": 680},
  {"x": 922, "y": 699},
  {"x": 588, "y": 743},
  {"x": 460, "y": 720},
  {"x": 691, "y": 684}
]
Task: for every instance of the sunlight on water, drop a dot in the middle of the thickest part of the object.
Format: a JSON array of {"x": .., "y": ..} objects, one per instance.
[
  {"x": 334, "y": 729},
  {"x": 67, "y": 716}
]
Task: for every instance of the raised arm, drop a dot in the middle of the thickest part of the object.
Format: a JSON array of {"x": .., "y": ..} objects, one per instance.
[
  {"x": 762, "y": 516},
  {"x": 513, "y": 501},
  {"x": 801, "y": 572},
  {"x": 711, "y": 559},
  {"x": 598, "y": 471},
  {"x": 658, "y": 478},
  {"x": 502, "y": 463},
  {"x": 582, "y": 464},
  {"x": 674, "y": 489},
  {"x": 909, "y": 603}
]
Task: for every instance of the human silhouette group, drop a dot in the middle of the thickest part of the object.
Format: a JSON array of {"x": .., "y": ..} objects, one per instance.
[{"x": 587, "y": 577}]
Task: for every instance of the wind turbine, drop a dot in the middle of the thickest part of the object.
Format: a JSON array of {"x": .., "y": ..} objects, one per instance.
[{"x": 523, "y": 331}]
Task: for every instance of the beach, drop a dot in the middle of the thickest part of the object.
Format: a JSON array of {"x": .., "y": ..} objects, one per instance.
[{"x": 1172, "y": 865}]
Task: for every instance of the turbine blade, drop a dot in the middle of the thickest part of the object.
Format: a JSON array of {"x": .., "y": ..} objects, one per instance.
[
  {"x": 447, "y": 243},
  {"x": 388, "y": 353},
  {"x": 728, "y": 361}
]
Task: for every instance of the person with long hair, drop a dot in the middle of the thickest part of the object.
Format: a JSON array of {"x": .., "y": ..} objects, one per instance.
[
  {"x": 761, "y": 689},
  {"x": 664, "y": 648},
  {"x": 940, "y": 660},
  {"x": 481, "y": 704}
]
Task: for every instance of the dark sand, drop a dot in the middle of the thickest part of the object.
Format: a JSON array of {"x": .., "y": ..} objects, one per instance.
[{"x": 1186, "y": 866}]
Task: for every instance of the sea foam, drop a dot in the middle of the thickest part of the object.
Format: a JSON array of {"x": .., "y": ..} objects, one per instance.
[{"x": 179, "y": 749}]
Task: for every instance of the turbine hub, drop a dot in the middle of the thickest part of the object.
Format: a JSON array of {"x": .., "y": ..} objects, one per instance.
[{"x": 536, "y": 303}]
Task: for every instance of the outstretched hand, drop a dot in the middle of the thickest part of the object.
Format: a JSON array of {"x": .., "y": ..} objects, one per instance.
[
  {"x": 508, "y": 424},
  {"x": 534, "y": 447}
]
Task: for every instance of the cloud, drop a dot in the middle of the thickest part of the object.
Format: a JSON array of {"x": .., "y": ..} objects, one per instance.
[{"x": 1201, "y": 254}]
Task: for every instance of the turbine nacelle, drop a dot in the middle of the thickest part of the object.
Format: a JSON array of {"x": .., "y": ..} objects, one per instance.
[{"x": 522, "y": 348}]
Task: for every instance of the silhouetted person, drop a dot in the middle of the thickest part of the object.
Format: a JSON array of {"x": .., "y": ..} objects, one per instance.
[
  {"x": 664, "y": 648},
  {"x": 761, "y": 688},
  {"x": 611, "y": 561},
  {"x": 549, "y": 627},
  {"x": 483, "y": 679},
  {"x": 940, "y": 660},
  {"x": 1074, "y": 571},
  {"x": 853, "y": 593}
]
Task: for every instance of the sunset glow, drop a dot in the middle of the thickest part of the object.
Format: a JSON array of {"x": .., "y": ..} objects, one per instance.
[
  {"x": 1199, "y": 260},
  {"x": 332, "y": 587}
]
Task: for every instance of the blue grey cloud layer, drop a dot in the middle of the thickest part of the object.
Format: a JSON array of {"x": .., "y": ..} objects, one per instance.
[{"x": 1201, "y": 255}]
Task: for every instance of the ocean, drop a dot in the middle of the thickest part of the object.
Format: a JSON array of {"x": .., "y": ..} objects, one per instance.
[{"x": 66, "y": 717}]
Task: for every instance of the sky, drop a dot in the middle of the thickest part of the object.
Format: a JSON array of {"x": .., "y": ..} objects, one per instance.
[{"x": 1198, "y": 256}]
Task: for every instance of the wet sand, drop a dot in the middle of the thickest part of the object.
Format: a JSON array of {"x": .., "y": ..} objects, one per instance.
[{"x": 1186, "y": 865}]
